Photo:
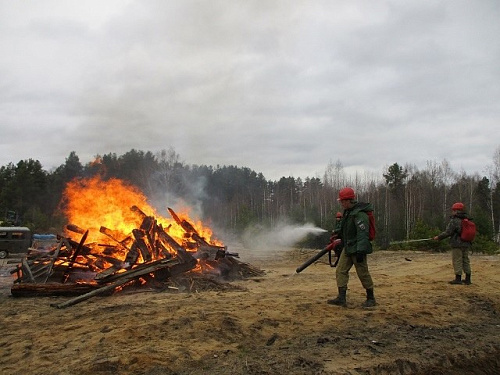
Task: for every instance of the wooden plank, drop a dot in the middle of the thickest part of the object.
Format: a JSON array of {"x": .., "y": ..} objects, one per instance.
[
  {"x": 167, "y": 239},
  {"x": 50, "y": 289},
  {"x": 73, "y": 258},
  {"x": 54, "y": 257},
  {"x": 189, "y": 229},
  {"x": 27, "y": 270}
]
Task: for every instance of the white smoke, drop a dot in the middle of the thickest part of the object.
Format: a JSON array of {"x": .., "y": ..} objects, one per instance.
[{"x": 260, "y": 242}]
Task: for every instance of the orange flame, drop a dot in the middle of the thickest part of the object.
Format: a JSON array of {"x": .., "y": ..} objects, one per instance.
[{"x": 92, "y": 203}]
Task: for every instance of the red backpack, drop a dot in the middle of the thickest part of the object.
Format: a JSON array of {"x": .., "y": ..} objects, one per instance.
[
  {"x": 371, "y": 231},
  {"x": 371, "y": 221},
  {"x": 468, "y": 232}
]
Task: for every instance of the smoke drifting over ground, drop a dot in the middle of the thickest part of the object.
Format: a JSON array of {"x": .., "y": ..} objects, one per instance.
[
  {"x": 257, "y": 241},
  {"x": 260, "y": 242}
]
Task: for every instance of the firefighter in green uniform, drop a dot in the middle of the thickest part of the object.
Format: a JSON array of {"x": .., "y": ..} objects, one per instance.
[
  {"x": 354, "y": 233},
  {"x": 459, "y": 249},
  {"x": 338, "y": 221},
  {"x": 338, "y": 248}
]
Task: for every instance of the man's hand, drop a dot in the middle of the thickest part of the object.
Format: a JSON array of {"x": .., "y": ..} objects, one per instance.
[{"x": 436, "y": 238}]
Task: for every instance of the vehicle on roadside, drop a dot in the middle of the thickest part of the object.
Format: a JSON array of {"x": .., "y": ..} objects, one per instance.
[{"x": 14, "y": 240}]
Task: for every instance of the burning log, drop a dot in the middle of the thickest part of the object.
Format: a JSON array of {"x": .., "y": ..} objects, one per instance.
[
  {"x": 206, "y": 250},
  {"x": 188, "y": 227},
  {"x": 132, "y": 253},
  {"x": 132, "y": 256},
  {"x": 114, "y": 236},
  {"x": 75, "y": 228},
  {"x": 181, "y": 252},
  {"x": 172, "y": 267},
  {"x": 70, "y": 245}
]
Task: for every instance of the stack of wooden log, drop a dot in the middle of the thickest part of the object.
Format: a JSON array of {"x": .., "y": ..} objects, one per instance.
[{"x": 149, "y": 254}]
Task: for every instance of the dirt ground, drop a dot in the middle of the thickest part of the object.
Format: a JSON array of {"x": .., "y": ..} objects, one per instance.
[{"x": 279, "y": 323}]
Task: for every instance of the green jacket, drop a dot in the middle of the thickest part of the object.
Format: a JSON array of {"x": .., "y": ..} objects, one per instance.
[
  {"x": 354, "y": 229},
  {"x": 453, "y": 230},
  {"x": 338, "y": 225}
]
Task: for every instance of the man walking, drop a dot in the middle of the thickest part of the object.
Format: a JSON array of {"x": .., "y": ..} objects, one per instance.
[
  {"x": 354, "y": 233},
  {"x": 459, "y": 249}
]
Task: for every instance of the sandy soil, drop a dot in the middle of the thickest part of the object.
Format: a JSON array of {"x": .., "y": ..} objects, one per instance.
[{"x": 279, "y": 323}]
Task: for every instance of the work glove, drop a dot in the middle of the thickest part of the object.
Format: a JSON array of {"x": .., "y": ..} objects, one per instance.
[{"x": 360, "y": 257}]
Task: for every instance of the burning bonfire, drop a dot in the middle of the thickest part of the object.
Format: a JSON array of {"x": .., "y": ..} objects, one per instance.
[{"x": 116, "y": 239}]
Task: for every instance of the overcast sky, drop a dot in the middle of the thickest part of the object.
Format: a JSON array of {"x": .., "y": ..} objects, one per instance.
[{"x": 281, "y": 87}]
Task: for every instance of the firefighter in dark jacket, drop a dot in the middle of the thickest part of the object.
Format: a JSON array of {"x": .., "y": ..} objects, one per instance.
[
  {"x": 338, "y": 221},
  {"x": 459, "y": 248},
  {"x": 354, "y": 233}
]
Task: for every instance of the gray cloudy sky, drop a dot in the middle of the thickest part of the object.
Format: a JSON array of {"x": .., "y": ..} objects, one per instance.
[{"x": 281, "y": 87}]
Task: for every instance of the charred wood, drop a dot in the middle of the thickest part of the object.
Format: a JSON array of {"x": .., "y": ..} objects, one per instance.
[
  {"x": 144, "y": 249},
  {"x": 108, "y": 272},
  {"x": 26, "y": 270},
  {"x": 50, "y": 289},
  {"x": 123, "y": 244},
  {"x": 141, "y": 245},
  {"x": 147, "y": 224},
  {"x": 177, "y": 269},
  {"x": 111, "y": 234},
  {"x": 147, "y": 230},
  {"x": 139, "y": 212},
  {"x": 132, "y": 255},
  {"x": 162, "y": 249},
  {"x": 112, "y": 260},
  {"x": 73, "y": 258},
  {"x": 188, "y": 228},
  {"x": 71, "y": 245},
  {"x": 75, "y": 228},
  {"x": 167, "y": 239}
]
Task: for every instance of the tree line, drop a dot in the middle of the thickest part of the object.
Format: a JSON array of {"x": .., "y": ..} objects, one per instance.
[{"x": 409, "y": 203}]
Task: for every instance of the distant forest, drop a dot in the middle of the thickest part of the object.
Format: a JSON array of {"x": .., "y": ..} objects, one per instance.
[{"x": 409, "y": 203}]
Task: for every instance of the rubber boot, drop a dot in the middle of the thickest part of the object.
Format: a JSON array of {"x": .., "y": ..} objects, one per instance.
[
  {"x": 458, "y": 280},
  {"x": 370, "y": 299},
  {"x": 341, "y": 298},
  {"x": 467, "y": 279}
]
